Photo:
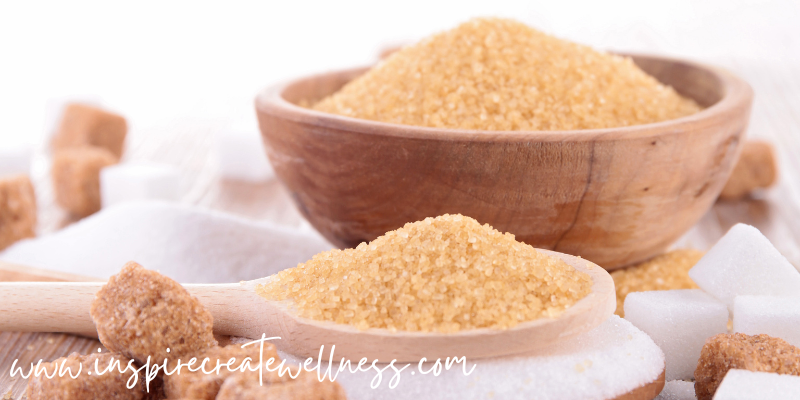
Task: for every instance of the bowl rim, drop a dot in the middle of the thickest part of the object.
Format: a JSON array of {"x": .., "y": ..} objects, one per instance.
[{"x": 737, "y": 97}]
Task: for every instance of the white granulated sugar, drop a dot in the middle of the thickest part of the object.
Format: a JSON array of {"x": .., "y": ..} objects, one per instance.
[
  {"x": 613, "y": 359},
  {"x": 122, "y": 183},
  {"x": 679, "y": 321},
  {"x": 744, "y": 262},
  {"x": 740, "y": 384},
  {"x": 677, "y": 390},
  {"x": 774, "y": 316},
  {"x": 190, "y": 245}
]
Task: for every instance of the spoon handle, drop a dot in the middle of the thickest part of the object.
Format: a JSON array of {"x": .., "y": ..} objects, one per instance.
[
  {"x": 48, "y": 307},
  {"x": 64, "y": 306}
]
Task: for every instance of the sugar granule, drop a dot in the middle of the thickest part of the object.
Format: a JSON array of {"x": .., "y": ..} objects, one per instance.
[
  {"x": 501, "y": 75},
  {"x": 441, "y": 274},
  {"x": 668, "y": 271}
]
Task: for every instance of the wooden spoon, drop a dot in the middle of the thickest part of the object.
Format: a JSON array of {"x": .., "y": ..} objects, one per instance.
[{"x": 239, "y": 311}]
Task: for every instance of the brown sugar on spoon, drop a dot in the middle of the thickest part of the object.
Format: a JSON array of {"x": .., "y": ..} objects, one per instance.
[
  {"x": 724, "y": 352},
  {"x": 87, "y": 385},
  {"x": 141, "y": 313},
  {"x": 442, "y": 274}
]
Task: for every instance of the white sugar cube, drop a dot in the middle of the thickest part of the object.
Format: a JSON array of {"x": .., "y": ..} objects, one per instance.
[
  {"x": 677, "y": 390},
  {"x": 744, "y": 262},
  {"x": 241, "y": 155},
  {"x": 15, "y": 159},
  {"x": 774, "y": 316},
  {"x": 679, "y": 321},
  {"x": 139, "y": 181},
  {"x": 740, "y": 384}
]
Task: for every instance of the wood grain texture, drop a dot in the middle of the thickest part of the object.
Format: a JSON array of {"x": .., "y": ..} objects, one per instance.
[
  {"x": 26, "y": 347},
  {"x": 646, "y": 391},
  {"x": 613, "y": 196}
]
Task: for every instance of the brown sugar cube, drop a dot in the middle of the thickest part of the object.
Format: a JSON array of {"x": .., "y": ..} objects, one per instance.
[
  {"x": 724, "y": 352},
  {"x": 76, "y": 178},
  {"x": 755, "y": 169},
  {"x": 83, "y": 125},
  {"x": 305, "y": 387},
  {"x": 198, "y": 385},
  {"x": 141, "y": 314},
  {"x": 17, "y": 210},
  {"x": 110, "y": 385}
]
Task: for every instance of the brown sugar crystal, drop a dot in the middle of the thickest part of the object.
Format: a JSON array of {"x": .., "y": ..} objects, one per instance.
[
  {"x": 306, "y": 386},
  {"x": 76, "y": 178},
  {"x": 724, "y": 352},
  {"x": 17, "y": 209},
  {"x": 141, "y": 313},
  {"x": 112, "y": 384},
  {"x": 441, "y": 274},
  {"x": 756, "y": 168},
  {"x": 667, "y": 271},
  {"x": 501, "y": 75},
  {"x": 83, "y": 125},
  {"x": 198, "y": 385}
]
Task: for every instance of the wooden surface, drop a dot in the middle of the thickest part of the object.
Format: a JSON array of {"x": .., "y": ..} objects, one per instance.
[
  {"x": 613, "y": 196},
  {"x": 646, "y": 391},
  {"x": 29, "y": 348}
]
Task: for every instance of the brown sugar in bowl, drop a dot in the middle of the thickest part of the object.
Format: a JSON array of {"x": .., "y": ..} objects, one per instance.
[{"x": 614, "y": 196}]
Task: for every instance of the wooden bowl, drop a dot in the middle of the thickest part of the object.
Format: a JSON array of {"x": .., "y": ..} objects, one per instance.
[{"x": 613, "y": 196}]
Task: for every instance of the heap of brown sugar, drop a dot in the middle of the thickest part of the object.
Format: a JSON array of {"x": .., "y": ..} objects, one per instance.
[
  {"x": 441, "y": 274},
  {"x": 668, "y": 271},
  {"x": 499, "y": 74}
]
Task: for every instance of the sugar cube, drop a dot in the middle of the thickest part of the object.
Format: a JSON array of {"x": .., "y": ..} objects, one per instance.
[
  {"x": 741, "y": 384},
  {"x": 677, "y": 390},
  {"x": 139, "y": 181},
  {"x": 54, "y": 109},
  {"x": 76, "y": 178},
  {"x": 679, "y": 321},
  {"x": 725, "y": 352},
  {"x": 17, "y": 209},
  {"x": 744, "y": 262},
  {"x": 774, "y": 316},
  {"x": 15, "y": 159},
  {"x": 84, "y": 125},
  {"x": 241, "y": 155}
]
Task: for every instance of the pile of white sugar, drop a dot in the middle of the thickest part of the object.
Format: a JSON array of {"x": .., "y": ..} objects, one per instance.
[
  {"x": 190, "y": 245},
  {"x": 604, "y": 363}
]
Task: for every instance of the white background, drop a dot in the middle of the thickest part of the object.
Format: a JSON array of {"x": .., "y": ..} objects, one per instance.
[{"x": 158, "y": 62}]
